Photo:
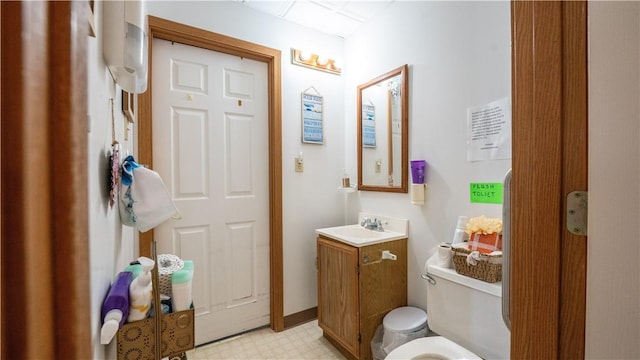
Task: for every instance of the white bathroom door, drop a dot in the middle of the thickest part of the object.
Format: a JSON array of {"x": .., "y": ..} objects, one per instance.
[{"x": 210, "y": 146}]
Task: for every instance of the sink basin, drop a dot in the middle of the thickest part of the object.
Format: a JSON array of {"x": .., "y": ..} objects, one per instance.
[
  {"x": 357, "y": 235},
  {"x": 358, "y": 232}
]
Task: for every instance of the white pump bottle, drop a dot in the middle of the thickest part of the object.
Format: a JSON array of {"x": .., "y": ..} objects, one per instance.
[{"x": 140, "y": 292}]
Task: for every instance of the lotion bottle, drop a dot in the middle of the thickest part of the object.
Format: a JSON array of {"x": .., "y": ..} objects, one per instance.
[
  {"x": 140, "y": 292},
  {"x": 115, "y": 307},
  {"x": 181, "y": 287}
]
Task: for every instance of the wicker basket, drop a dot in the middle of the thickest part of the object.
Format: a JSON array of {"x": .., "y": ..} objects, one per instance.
[
  {"x": 136, "y": 340},
  {"x": 488, "y": 268},
  {"x": 150, "y": 339}
]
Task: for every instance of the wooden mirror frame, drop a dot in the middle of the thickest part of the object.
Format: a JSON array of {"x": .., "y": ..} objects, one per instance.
[{"x": 403, "y": 72}]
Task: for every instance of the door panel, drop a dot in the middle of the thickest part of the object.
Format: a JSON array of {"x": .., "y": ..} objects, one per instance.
[
  {"x": 210, "y": 130},
  {"x": 238, "y": 158},
  {"x": 548, "y": 268},
  {"x": 190, "y": 149},
  {"x": 44, "y": 106}
]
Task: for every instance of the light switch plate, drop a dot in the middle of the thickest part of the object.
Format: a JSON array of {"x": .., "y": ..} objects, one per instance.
[{"x": 299, "y": 164}]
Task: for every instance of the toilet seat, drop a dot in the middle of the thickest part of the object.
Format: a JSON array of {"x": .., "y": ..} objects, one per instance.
[{"x": 433, "y": 347}]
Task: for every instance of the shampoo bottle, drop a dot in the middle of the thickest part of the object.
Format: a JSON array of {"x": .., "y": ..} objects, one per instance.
[
  {"x": 181, "y": 287},
  {"x": 140, "y": 292},
  {"x": 115, "y": 307}
]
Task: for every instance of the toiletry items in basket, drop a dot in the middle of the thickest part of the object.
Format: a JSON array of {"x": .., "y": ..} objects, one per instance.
[
  {"x": 140, "y": 291},
  {"x": 181, "y": 287},
  {"x": 115, "y": 307},
  {"x": 459, "y": 234},
  {"x": 135, "y": 269}
]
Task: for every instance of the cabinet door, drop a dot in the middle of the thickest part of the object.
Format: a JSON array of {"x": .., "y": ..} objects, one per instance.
[
  {"x": 338, "y": 311},
  {"x": 383, "y": 287}
]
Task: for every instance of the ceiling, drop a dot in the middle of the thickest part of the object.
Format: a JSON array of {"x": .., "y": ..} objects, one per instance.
[{"x": 338, "y": 17}]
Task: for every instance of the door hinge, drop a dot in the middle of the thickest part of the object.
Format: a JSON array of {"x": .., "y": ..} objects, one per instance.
[
  {"x": 358, "y": 269},
  {"x": 360, "y": 338},
  {"x": 577, "y": 211}
]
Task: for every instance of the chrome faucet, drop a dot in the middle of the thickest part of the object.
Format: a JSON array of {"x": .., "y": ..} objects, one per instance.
[{"x": 374, "y": 224}]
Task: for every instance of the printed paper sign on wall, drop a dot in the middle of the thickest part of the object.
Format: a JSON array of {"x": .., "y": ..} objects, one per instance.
[{"x": 489, "y": 131}]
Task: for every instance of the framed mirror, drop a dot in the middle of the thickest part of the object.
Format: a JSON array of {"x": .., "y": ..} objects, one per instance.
[{"x": 383, "y": 132}]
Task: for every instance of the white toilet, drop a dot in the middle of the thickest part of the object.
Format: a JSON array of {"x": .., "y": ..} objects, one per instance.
[{"x": 466, "y": 313}]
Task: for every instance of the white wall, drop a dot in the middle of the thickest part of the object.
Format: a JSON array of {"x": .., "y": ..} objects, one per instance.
[
  {"x": 613, "y": 250},
  {"x": 310, "y": 199},
  {"x": 111, "y": 245},
  {"x": 459, "y": 56}
]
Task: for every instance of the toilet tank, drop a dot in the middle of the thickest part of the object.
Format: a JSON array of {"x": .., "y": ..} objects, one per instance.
[{"x": 468, "y": 312}]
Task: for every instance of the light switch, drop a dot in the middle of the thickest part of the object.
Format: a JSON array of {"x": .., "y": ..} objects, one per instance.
[{"x": 299, "y": 164}]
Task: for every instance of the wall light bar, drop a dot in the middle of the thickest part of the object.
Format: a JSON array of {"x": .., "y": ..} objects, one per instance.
[{"x": 314, "y": 61}]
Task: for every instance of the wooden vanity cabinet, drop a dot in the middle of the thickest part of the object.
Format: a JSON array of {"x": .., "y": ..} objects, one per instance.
[{"x": 356, "y": 289}]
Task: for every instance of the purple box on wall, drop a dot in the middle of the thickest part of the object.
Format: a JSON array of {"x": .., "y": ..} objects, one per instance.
[{"x": 418, "y": 170}]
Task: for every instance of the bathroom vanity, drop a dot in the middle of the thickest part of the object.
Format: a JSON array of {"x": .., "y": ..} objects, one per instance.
[{"x": 358, "y": 284}]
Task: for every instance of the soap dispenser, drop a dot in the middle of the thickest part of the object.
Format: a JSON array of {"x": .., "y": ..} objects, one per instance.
[{"x": 140, "y": 292}]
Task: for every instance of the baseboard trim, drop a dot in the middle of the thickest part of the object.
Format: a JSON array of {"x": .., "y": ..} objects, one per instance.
[{"x": 300, "y": 317}]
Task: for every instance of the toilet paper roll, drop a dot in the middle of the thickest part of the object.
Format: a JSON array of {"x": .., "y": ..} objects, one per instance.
[
  {"x": 444, "y": 255},
  {"x": 417, "y": 194},
  {"x": 167, "y": 265}
]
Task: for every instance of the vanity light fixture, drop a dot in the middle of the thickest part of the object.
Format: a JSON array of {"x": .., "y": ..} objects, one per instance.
[
  {"x": 305, "y": 55},
  {"x": 315, "y": 61}
]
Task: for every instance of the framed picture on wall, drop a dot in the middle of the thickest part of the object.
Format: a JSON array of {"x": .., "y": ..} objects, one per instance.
[{"x": 312, "y": 119}]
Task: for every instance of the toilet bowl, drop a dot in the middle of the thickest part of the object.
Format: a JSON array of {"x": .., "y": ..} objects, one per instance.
[{"x": 431, "y": 348}]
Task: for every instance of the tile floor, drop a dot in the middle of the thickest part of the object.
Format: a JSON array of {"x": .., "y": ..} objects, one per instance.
[{"x": 301, "y": 342}]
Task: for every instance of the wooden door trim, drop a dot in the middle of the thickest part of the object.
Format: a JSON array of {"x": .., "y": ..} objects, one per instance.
[
  {"x": 172, "y": 31},
  {"x": 573, "y": 269},
  {"x": 45, "y": 247},
  {"x": 548, "y": 272}
]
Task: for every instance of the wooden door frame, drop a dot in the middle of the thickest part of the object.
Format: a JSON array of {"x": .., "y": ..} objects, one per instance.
[
  {"x": 172, "y": 31},
  {"x": 549, "y": 86},
  {"x": 45, "y": 237}
]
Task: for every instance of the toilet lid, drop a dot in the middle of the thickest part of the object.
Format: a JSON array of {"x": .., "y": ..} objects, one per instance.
[
  {"x": 434, "y": 347},
  {"x": 406, "y": 318}
]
